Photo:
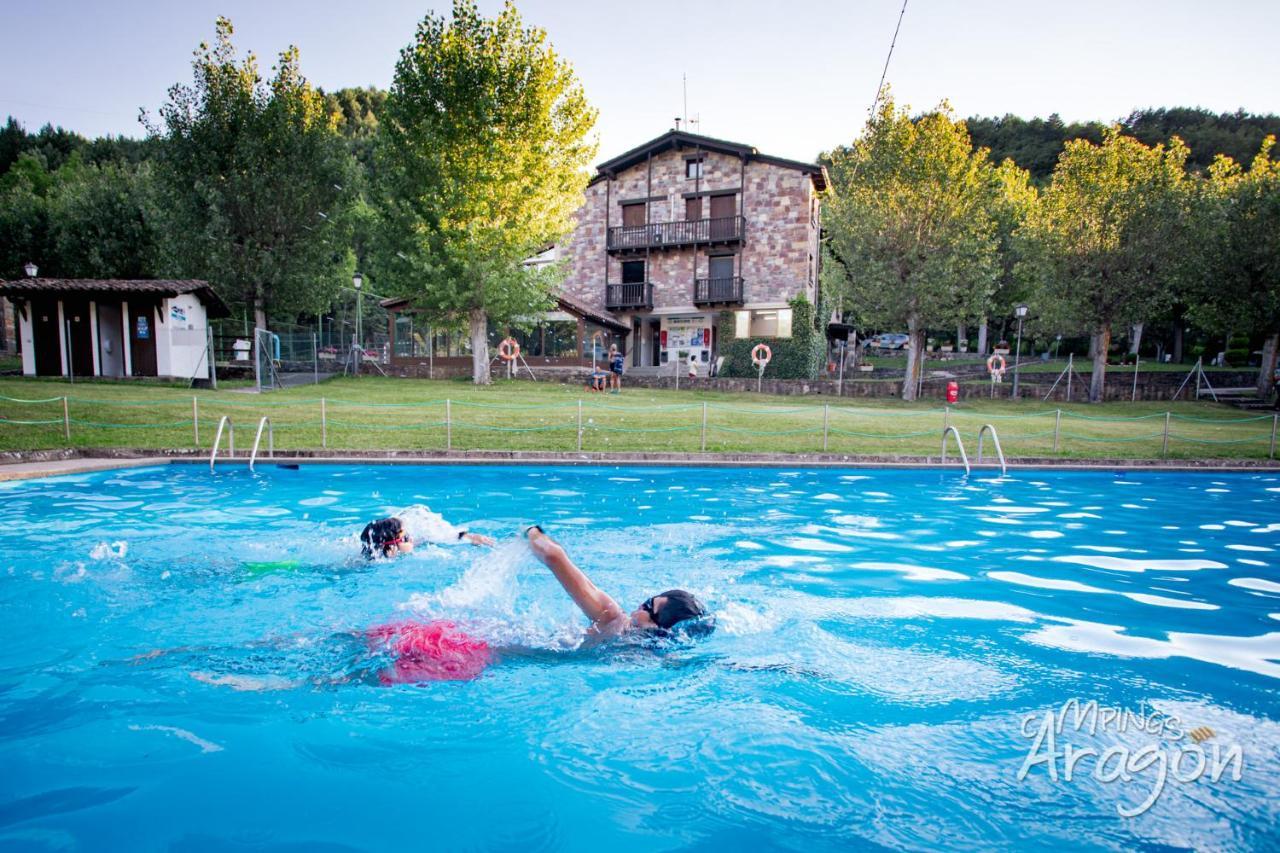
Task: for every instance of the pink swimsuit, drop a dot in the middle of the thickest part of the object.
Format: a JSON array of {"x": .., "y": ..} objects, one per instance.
[{"x": 429, "y": 651}]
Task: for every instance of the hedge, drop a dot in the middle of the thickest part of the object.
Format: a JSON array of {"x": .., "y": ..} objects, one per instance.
[{"x": 798, "y": 357}]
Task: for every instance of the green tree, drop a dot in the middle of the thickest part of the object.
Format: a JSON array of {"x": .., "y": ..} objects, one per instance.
[
  {"x": 484, "y": 162},
  {"x": 255, "y": 182},
  {"x": 1101, "y": 244},
  {"x": 1241, "y": 283},
  {"x": 103, "y": 223},
  {"x": 910, "y": 218}
]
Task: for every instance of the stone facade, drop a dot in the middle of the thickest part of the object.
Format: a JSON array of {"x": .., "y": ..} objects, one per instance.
[{"x": 775, "y": 253}]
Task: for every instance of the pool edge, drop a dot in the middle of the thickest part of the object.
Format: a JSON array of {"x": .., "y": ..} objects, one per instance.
[{"x": 37, "y": 464}]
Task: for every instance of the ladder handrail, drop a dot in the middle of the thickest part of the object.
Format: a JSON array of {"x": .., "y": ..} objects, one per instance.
[
  {"x": 995, "y": 439},
  {"x": 271, "y": 440},
  {"x": 224, "y": 422},
  {"x": 959, "y": 445}
]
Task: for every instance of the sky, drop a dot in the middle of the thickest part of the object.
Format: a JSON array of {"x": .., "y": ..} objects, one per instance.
[{"x": 790, "y": 78}]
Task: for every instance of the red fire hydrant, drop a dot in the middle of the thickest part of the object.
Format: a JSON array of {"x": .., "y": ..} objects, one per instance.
[{"x": 953, "y": 391}]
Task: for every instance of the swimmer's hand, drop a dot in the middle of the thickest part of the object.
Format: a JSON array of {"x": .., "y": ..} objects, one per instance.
[{"x": 479, "y": 539}]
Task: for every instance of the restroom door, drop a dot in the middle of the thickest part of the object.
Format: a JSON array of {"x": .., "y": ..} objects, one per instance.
[
  {"x": 110, "y": 340},
  {"x": 48, "y": 340},
  {"x": 655, "y": 343},
  {"x": 76, "y": 314},
  {"x": 142, "y": 337}
]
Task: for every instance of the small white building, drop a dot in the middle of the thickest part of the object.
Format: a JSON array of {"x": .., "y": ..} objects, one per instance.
[{"x": 114, "y": 327}]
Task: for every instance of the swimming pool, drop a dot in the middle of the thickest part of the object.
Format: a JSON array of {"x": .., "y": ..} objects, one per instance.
[{"x": 889, "y": 645}]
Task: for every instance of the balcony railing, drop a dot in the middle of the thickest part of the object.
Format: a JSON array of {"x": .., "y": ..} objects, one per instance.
[
  {"x": 726, "y": 229},
  {"x": 637, "y": 295},
  {"x": 709, "y": 290}
]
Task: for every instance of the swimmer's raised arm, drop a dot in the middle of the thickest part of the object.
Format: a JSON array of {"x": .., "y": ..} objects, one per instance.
[{"x": 601, "y": 609}]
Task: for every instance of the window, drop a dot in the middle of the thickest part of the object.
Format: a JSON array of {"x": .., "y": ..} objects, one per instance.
[
  {"x": 693, "y": 168},
  {"x": 692, "y": 209},
  {"x": 633, "y": 214},
  {"x": 632, "y": 272},
  {"x": 774, "y": 323}
]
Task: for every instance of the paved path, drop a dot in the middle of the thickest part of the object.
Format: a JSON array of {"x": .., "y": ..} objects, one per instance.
[{"x": 55, "y": 467}]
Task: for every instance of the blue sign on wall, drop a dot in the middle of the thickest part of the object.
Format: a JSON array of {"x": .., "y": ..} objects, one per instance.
[{"x": 144, "y": 327}]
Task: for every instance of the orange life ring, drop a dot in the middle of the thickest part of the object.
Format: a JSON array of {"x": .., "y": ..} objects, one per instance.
[
  {"x": 992, "y": 361},
  {"x": 761, "y": 355},
  {"x": 509, "y": 349}
]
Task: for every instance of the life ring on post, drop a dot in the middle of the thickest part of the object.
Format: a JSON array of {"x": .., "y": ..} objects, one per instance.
[
  {"x": 761, "y": 355},
  {"x": 509, "y": 349},
  {"x": 993, "y": 361}
]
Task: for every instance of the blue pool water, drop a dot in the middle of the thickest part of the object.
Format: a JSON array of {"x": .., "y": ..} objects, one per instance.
[{"x": 889, "y": 643}]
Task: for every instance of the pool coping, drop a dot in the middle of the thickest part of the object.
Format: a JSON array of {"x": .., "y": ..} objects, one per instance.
[{"x": 36, "y": 464}]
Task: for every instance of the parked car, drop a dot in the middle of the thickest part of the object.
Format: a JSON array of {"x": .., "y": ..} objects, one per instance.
[{"x": 888, "y": 341}]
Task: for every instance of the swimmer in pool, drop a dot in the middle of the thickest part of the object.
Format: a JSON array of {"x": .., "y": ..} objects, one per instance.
[
  {"x": 387, "y": 537},
  {"x": 658, "y": 614}
]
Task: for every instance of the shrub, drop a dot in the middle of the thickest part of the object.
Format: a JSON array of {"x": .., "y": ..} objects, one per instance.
[{"x": 798, "y": 357}]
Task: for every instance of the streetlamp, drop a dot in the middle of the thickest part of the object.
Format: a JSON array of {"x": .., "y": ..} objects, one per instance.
[
  {"x": 357, "y": 281},
  {"x": 30, "y": 269},
  {"x": 1020, "y": 312}
]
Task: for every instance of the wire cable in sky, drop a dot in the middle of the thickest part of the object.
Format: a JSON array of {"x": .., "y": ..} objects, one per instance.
[{"x": 885, "y": 72}]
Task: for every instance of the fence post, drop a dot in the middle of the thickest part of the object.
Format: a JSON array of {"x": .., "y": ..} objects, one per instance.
[
  {"x": 1164, "y": 447},
  {"x": 66, "y": 419},
  {"x": 579, "y": 424},
  {"x": 315, "y": 357},
  {"x": 826, "y": 415},
  {"x": 448, "y": 426},
  {"x": 324, "y": 425},
  {"x": 704, "y": 426},
  {"x": 1275, "y": 421},
  {"x": 1057, "y": 428},
  {"x": 195, "y": 419}
]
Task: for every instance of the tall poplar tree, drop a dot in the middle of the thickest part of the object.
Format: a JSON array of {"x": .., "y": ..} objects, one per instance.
[
  {"x": 255, "y": 182},
  {"x": 910, "y": 218},
  {"x": 1101, "y": 242},
  {"x": 483, "y": 163}
]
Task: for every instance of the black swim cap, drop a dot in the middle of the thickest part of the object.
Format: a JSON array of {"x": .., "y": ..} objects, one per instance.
[{"x": 680, "y": 606}]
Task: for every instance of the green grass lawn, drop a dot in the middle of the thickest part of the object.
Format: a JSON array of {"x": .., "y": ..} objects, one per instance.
[{"x": 375, "y": 413}]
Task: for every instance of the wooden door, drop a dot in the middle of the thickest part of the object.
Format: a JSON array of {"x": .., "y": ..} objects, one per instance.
[
  {"x": 110, "y": 340},
  {"x": 723, "y": 213},
  {"x": 75, "y": 313},
  {"x": 692, "y": 209},
  {"x": 142, "y": 337},
  {"x": 48, "y": 340}
]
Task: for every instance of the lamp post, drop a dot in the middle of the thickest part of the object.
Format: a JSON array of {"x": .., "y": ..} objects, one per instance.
[
  {"x": 1020, "y": 312},
  {"x": 30, "y": 269},
  {"x": 357, "y": 281}
]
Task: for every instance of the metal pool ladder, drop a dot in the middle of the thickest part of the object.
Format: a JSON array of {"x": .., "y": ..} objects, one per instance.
[
  {"x": 271, "y": 440},
  {"x": 959, "y": 446},
  {"x": 995, "y": 439},
  {"x": 224, "y": 423}
]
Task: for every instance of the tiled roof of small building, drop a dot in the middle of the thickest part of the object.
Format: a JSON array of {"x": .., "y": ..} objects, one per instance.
[{"x": 154, "y": 286}]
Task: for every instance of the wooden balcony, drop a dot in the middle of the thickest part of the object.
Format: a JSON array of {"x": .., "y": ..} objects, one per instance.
[
  {"x": 664, "y": 235},
  {"x": 709, "y": 291},
  {"x": 623, "y": 296}
]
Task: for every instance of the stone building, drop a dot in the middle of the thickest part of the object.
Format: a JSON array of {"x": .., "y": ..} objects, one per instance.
[{"x": 685, "y": 226}]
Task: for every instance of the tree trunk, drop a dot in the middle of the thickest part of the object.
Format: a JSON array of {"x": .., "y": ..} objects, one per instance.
[
  {"x": 1099, "y": 343},
  {"x": 962, "y": 334},
  {"x": 479, "y": 347},
  {"x": 1135, "y": 338},
  {"x": 982, "y": 337},
  {"x": 915, "y": 357},
  {"x": 1177, "y": 341},
  {"x": 1266, "y": 374},
  {"x": 259, "y": 312}
]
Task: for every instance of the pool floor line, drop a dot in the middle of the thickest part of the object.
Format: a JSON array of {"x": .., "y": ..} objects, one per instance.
[{"x": 45, "y": 464}]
